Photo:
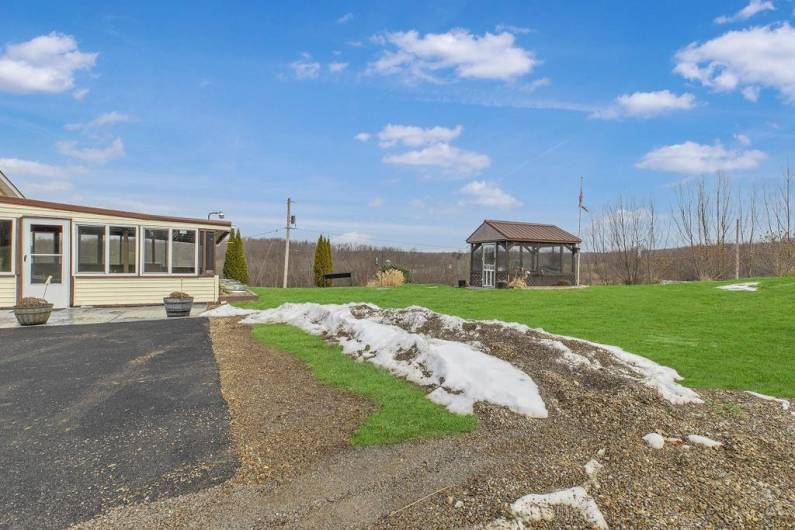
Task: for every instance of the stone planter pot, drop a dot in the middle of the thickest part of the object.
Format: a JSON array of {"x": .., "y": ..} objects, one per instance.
[
  {"x": 178, "y": 307},
  {"x": 33, "y": 316}
]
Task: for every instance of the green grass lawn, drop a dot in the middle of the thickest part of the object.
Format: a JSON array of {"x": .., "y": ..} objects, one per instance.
[
  {"x": 714, "y": 338},
  {"x": 403, "y": 411}
]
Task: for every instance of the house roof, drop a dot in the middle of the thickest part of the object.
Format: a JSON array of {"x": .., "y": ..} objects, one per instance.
[
  {"x": 7, "y": 188},
  {"x": 112, "y": 213},
  {"x": 492, "y": 230}
]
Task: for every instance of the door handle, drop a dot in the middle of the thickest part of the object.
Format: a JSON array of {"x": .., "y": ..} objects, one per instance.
[{"x": 25, "y": 258}]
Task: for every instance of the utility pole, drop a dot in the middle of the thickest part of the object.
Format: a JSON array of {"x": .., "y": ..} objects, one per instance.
[
  {"x": 737, "y": 252},
  {"x": 287, "y": 228}
]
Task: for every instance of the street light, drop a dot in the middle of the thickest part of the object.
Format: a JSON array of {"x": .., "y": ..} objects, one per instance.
[{"x": 219, "y": 213}]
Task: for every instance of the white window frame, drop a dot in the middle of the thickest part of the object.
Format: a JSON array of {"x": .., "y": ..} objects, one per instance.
[
  {"x": 14, "y": 244},
  {"x": 76, "y": 249},
  {"x": 107, "y": 248},
  {"x": 170, "y": 259}
]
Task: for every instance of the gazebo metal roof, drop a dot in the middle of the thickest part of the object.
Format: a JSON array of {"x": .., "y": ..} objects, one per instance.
[{"x": 491, "y": 230}]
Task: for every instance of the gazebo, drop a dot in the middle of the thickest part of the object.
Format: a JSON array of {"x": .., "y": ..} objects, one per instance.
[{"x": 541, "y": 254}]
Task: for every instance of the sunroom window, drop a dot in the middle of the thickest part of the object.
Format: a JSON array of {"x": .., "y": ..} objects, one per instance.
[
  {"x": 156, "y": 250},
  {"x": 183, "y": 250},
  {"x": 6, "y": 245},
  {"x": 91, "y": 249},
  {"x": 122, "y": 243}
]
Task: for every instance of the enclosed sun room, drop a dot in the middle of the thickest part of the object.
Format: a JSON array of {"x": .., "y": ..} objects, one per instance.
[{"x": 539, "y": 254}]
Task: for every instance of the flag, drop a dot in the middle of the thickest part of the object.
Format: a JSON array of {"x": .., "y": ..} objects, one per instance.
[{"x": 582, "y": 198}]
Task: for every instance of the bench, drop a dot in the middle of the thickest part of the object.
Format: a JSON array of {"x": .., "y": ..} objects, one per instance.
[{"x": 339, "y": 276}]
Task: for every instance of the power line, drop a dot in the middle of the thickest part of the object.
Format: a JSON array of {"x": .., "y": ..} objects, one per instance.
[{"x": 448, "y": 249}]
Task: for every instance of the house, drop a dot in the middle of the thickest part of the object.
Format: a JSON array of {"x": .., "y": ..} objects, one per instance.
[
  {"x": 102, "y": 257},
  {"x": 540, "y": 254}
]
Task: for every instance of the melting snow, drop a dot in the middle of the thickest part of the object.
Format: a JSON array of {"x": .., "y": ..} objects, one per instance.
[
  {"x": 227, "y": 310},
  {"x": 703, "y": 440},
  {"x": 662, "y": 378},
  {"x": 784, "y": 402},
  {"x": 457, "y": 359},
  {"x": 461, "y": 374},
  {"x": 535, "y": 507},
  {"x": 654, "y": 440},
  {"x": 748, "y": 286}
]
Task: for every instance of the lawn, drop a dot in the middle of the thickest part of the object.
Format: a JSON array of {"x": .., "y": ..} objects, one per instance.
[
  {"x": 403, "y": 411},
  {"x": 714, "y": 338}
]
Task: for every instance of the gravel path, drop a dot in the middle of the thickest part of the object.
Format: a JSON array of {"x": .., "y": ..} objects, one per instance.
[{"x": 297, "y": 471}]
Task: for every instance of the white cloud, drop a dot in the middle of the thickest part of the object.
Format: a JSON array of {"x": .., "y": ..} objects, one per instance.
[
  {"x": 691, "y": 158},
  {"x": 451, "y": 160},
  {"x": 753, "y": 7},
  {"x": 470, "y": 56},
  {"x": 377, "y": 202},
  {"x": 305, "y": 67},
  {"x": 94, "y": 155},
  {"x": 30, "y": 168},
  {"x": 488, "y": 194},
  {"x": 646, "y": 104},
  {"x": 344, "y": 19},
  {"x": 46, "y": 63},
  {"x": 80, "y": 94},
  {"x": 362, "y": 136},
  {"x": 517, "y": 30},
  {"x": 107, "y": 118},
  {"x": 412, "y": 136},
  {"x": 352, "y": 238},
  {"x": 336, "y": 68},
  {"x": 745, "y": 60},
  {"x": 742, "y": 138}
]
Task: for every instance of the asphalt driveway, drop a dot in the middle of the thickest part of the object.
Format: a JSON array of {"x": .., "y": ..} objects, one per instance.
[{"x": 95, "y": 416}]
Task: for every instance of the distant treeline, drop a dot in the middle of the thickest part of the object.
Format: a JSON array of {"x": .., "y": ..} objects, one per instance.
[{"x": 266, "y": 263}]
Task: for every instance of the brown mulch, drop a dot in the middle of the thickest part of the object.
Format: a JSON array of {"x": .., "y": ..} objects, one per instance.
[{"x": 280, "y": 414}]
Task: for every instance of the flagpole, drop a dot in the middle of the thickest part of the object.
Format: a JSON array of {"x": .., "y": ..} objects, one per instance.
[{"x": 579, "y": 232}]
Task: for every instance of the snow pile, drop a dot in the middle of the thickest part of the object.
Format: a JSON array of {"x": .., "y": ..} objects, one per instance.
[
  {"x": 784, "y": 402},
  {"x": 569, "y": 358},
  {"x": 748, "y": 287},
  {"x": 662, "y": 378},
  {"x": 654, "y": 440},
  {"x": 703, "y": 440},
  {"x": 227, "y": 310},
  {"x": 540, "y": 507},
  {"x": 461, "y": 374}
]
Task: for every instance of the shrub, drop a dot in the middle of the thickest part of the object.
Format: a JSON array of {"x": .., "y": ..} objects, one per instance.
[
  {"x": 323, "y": 262},
  {"x": 235, "y": 266},
  {"x": 388, "y": 278},
  {"x": 518, "y": 283},
  {"x": 405, "y": 272}
]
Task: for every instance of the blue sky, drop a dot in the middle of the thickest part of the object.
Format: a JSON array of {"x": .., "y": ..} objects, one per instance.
[{"x": 391, "y": 123}]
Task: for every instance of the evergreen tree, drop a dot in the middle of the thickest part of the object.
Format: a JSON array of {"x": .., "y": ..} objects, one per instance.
[
  {"x": 322, "y": 264},
  {"x": 317, "y": 266},
  {"x": 235, "y": 265},
  {"x": 242, "y": 267},
  {"x": 329, "y": 260},
  {"x": 229, "y": 258}
]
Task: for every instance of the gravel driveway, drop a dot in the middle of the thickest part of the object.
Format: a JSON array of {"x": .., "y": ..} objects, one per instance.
[{"x": 98, "y": 416}]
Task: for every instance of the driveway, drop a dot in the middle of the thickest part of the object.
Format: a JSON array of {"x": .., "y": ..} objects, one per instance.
[{"x": 95, "y": 416}]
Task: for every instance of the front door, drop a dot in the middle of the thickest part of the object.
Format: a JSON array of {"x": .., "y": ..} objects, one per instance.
[
  {"x": 489, "y": 262},
  {"x": 46, "y": 256}
]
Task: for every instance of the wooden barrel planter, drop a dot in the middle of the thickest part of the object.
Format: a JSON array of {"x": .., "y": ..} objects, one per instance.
[
  {"x": 178, "y": 305},
  {"x": 33, "y": 316}
]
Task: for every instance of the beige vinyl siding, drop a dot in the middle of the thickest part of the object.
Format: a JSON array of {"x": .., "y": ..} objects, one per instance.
[
  {"x": 8, "y": 291},
  {"x": 134, "y": 290}
]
